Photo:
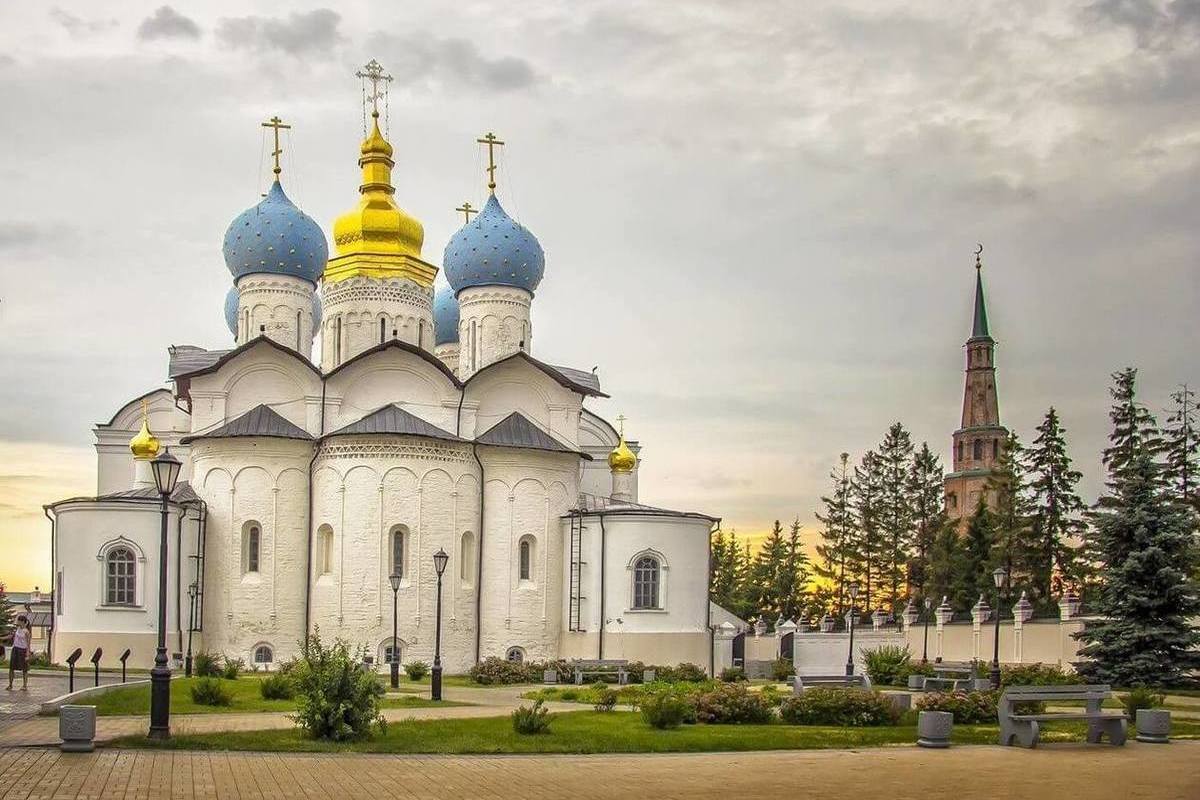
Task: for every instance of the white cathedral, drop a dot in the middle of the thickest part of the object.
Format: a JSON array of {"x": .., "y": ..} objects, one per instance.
[{"x": 427, "y": 423}]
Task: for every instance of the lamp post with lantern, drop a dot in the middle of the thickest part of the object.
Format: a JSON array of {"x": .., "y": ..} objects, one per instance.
[
  {"x": 440, "y": 559},
  {"x": 394, "y": 580},
  {"x": 999, "y": 576},
  {"x": 925, "y": 647},
  {"x": 166, "y": 468},
  {"x": 852, "y": 590}
]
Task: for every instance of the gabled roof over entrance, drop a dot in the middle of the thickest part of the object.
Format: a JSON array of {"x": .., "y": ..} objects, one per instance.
[{"x": 395, "y": 420}]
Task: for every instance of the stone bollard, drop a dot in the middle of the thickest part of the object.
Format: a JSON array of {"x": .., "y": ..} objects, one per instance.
[
  {"x": 982, "y": 684},
  {"x": 916, "y": 682},
  {"x": 901, "y": 701},
  {"x": 77, "y": 728},
  {"x": 934, "y": 728},
  {"x": 549, "y": 676},
  {"x": 1153, "y": 725}
]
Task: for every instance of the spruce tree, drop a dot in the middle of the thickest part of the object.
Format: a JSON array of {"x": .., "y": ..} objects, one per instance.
[
  {"x": 792, "y": 580},
  {"x": 926, "y": 480},
  {"x": 833, "y": 552},
  {"x": 1011, "y": 513},
  {"x": 866, "y": 546},
  {"x": 945, "y": 565},
  {"x": 723, "y": 578},
  {"x": 765, "y": 580},
  {"x": 895, "y": 502},
  {"x": 973, "y": 572},
  {"x": 1183, "y": 447},
  {"x": 1142, "y": 539},
  {"x": 1055, "y": 521}
]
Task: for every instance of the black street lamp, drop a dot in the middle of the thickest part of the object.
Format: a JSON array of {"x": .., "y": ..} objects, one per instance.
[
  {"x": 999, "y": 575},
  {"x": 852, "y": 590},
  {"x": 925, "y": 650},
  {"x": 166, "y": 469},
  {"x": 394, "y": 580},
  {"x": 440, "y": 559},
  {"x": 187, "y": 661}
]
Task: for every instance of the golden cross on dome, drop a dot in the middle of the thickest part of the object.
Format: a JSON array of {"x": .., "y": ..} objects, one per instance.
[
  {"x": 979, "y": 252},
  {"x": 373, "y": 72},
  {"x": 145, "y": 409},
  {"x": 621, "y": 422},
  {"x": 467, "y": 210},
  {"x": 276, "y": 123},
  {"x": 492, "y": 143}
]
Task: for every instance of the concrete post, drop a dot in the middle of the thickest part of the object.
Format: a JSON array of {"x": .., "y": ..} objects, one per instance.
[
  {"x": 942, "y": 616},
  {"x": 723, "y": 647},
  {"x": 979, "y": 614},
  {"x": 1022, "y": 612}
]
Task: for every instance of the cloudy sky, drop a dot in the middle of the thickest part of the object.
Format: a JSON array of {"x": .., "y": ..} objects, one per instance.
[{"x": 758, "y": 217}]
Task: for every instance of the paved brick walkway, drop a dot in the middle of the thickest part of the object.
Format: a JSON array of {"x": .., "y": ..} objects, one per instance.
[{"x": 1169, "y": 772}]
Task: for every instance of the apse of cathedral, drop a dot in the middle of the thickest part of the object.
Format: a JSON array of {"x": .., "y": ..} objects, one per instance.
[{"x": 427, "y": 422}]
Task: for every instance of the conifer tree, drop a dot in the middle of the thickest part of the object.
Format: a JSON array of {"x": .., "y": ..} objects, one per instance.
[
  {"x": 723, "y": 578},
  {"x": 866, "y": 546},
  {"x": 945, "y": 565},
  {"x": 792, "y": 581},
  {"x": 925, "y": 486},
  {"x": 895, "y": 502},
  {"x": 833, "y": 553},
  {"x": 973, "y": 571},
  {"x": 1012, "y": 546},
  {"x": 1142, "y": 539},
  {"x": 1055, "y": 515},
  {"x": 765, "y": 581},
  {"x": 1183, "y": 447}
]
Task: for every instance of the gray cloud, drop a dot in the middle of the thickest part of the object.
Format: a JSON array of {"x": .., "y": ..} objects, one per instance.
[
  {"x": 78, "y": 26},
  {"x": 14, "y": 235},
  {"x": 167, "y": 23},
  {"x": 416, "y": 58},
  {"x": 309, "y": 33}
]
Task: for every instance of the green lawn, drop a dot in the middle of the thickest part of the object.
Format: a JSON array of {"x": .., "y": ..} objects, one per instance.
[
  {"x": 594, "y": 732},
  {"x": 246, "y": 698}
]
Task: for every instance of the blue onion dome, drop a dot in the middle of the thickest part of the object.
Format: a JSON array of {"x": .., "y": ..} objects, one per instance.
[
  {"x": 445, "y": 314},
  {"x": 277, "y": 238},
  {"x": 494, "y": 250},
  {"x": 231, "y": 310}
]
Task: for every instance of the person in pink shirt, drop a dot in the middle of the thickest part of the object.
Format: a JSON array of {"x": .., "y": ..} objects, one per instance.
[{"x": 18, "y": 659}]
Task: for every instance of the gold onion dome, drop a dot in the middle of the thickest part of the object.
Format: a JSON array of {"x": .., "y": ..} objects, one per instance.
[
  {"x": 377, "y": 238},
  {"x": 622, "y": 459},
  {"x": 144, "y": 445}
]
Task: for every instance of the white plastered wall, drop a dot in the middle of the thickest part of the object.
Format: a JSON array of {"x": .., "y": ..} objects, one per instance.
[
  {"x": 279, "y": 307},
  {"x": 357, "y": 309},
  {"x": 494, "y": 322},
  {"x": 392, "y": 375},
  {"x": 517, "y": 385},
  {"x": 262, "y": 374}
]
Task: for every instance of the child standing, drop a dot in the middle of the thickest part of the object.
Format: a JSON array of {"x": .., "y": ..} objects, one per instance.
[{"x": 19, "y": 657}]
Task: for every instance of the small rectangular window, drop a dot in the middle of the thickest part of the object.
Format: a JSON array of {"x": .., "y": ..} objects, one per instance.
[{"x": 252, "y": 550}]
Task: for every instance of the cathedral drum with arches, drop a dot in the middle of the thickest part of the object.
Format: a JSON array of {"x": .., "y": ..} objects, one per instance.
[{"x": 425, "y": 423}]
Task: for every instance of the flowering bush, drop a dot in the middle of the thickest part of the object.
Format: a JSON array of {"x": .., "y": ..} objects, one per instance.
[
  {"x": 733, "y": 675},
  {"x": 1035, "y": 675},
  {"x": 782, "y": 670},
  {"x": 665, "y": 706},
  {"x": 968, "y": 708},
  {"x": 841, "y": 707},
  {"x": 733, "y": 703}
]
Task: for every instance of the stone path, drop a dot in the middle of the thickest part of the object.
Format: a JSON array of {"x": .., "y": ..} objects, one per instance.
[
  {"x": 42, "y": 686},
  {"x": 1170, "y": 772}
]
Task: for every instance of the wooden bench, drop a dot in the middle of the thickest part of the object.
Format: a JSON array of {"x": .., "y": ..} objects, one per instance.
[
  {"x": 1023, "y": 728},
  {"x": 802, "y": 682},
  {"x": 601, "y": 668}
]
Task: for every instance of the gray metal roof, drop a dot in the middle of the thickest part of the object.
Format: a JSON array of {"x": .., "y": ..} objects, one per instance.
[
  {"x": 187, "y": 358},
  {"x": 516, "y": 430},
  {"x": 183, "y": 494},
  {"x": 261, "y": 420},
  {"x": 597, "y": 504},
  {"x": 584, "y": 378},
  {"x": 393, "y": 419}
]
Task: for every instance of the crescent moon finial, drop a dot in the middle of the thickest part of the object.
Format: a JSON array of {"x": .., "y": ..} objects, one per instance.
[{"x": 978, "y": 265}]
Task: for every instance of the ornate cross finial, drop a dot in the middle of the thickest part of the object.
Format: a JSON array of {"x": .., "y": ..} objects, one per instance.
[
  {"x": 276, "y": 123},
  {"x": 145, "y": 409},
  {"x": 621, "y": 423},
  {"x": 978, "y": 264},
  {"x": 373, "y": 72},
  {"x": 492, "y": 143},
  {"x": 467, "y": 210}
]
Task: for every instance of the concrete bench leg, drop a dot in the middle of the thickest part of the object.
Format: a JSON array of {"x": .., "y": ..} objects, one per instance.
[
  {"x": 1022, "y": 732},
  {"x": 1115, "y": 729}
]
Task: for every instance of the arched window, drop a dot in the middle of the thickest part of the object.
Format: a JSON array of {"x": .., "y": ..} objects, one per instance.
[
  {"x": 420, "y": 333},
  {"x": 995, "y": 448},
  {"x": 474, "y": 359},
  {"x": 952, "y": 500},
  {"x": 382, "y": 330},
  {"x": 960, "y": 450},
  {"x": 398, "y": 544},
  {"x": 120, "y": 572},
  {"x": 466, "y": 559},
  {"x": 325, "y": 550},
  {"x": 251, "y": 546},
  {"x": 392, "y": 651},
  {"x": 263, "y": 654},
  {"x": 337, "y": 340},
  {"x": 515, "y": 654},
  {"x": 297, "y": 331},
  {"x": 525, "y": 559},
  {"x": 977, "y": 450},
  {"x": 645, "y": 582}
]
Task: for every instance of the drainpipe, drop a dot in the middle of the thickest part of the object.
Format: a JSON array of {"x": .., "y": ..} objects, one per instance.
[
  {"x": 603, "y": 558},
  {"x": 712, "y": 634},
  {"x": 182, "y": 512},
  {"x": 309, "y": 557},
  {"x": 55, "y": 586},
  {"x": 479, "y": 564}
]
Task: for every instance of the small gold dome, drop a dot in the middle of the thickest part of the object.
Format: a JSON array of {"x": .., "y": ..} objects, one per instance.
[
  {"x": 144, "y": 445},
  {"x": 622, "y": 459}
]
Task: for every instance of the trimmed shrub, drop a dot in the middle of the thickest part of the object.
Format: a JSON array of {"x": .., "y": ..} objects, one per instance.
[
  {"x": 782, "y": 670},
  {"x": 211, "y": 692},
  {"x": 335, "y": 698},
  {"x": 1140, "y": 697},
  {"x": 570, "y": 695},
  {"x": 1035, "y": 675},
  {"x": 841, "y": 707},
  {"x": 232, "y": 668},
  {"x": 636, "y": 671},
  {"x": 732, "y": 704},
  {"x": 664, "y": 706},
  {"x": 531, "y": 719},
  {"x": 493, "y": 671},
  {"x": 276, "y": 687},
  {"x": 688, "y": 673},
  {"x": 416, "y": 670},
  {"x": 889, "y": 664},
  {"x": 968, "y": 708},
  {"x": 771, "y": 695},
  {"x": 206, "y": 665},
  {"x": 604, "y": 696},
  {"x": 733, "y": 675}
]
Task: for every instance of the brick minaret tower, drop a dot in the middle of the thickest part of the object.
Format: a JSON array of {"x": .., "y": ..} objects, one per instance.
[{"x": 978, "y": 442}]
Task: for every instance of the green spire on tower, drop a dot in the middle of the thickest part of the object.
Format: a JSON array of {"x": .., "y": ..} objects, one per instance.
[{"x": 979, "y": 330}]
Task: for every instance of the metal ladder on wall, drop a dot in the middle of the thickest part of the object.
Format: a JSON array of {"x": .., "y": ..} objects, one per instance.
[{"x": 574, "y": 610}]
